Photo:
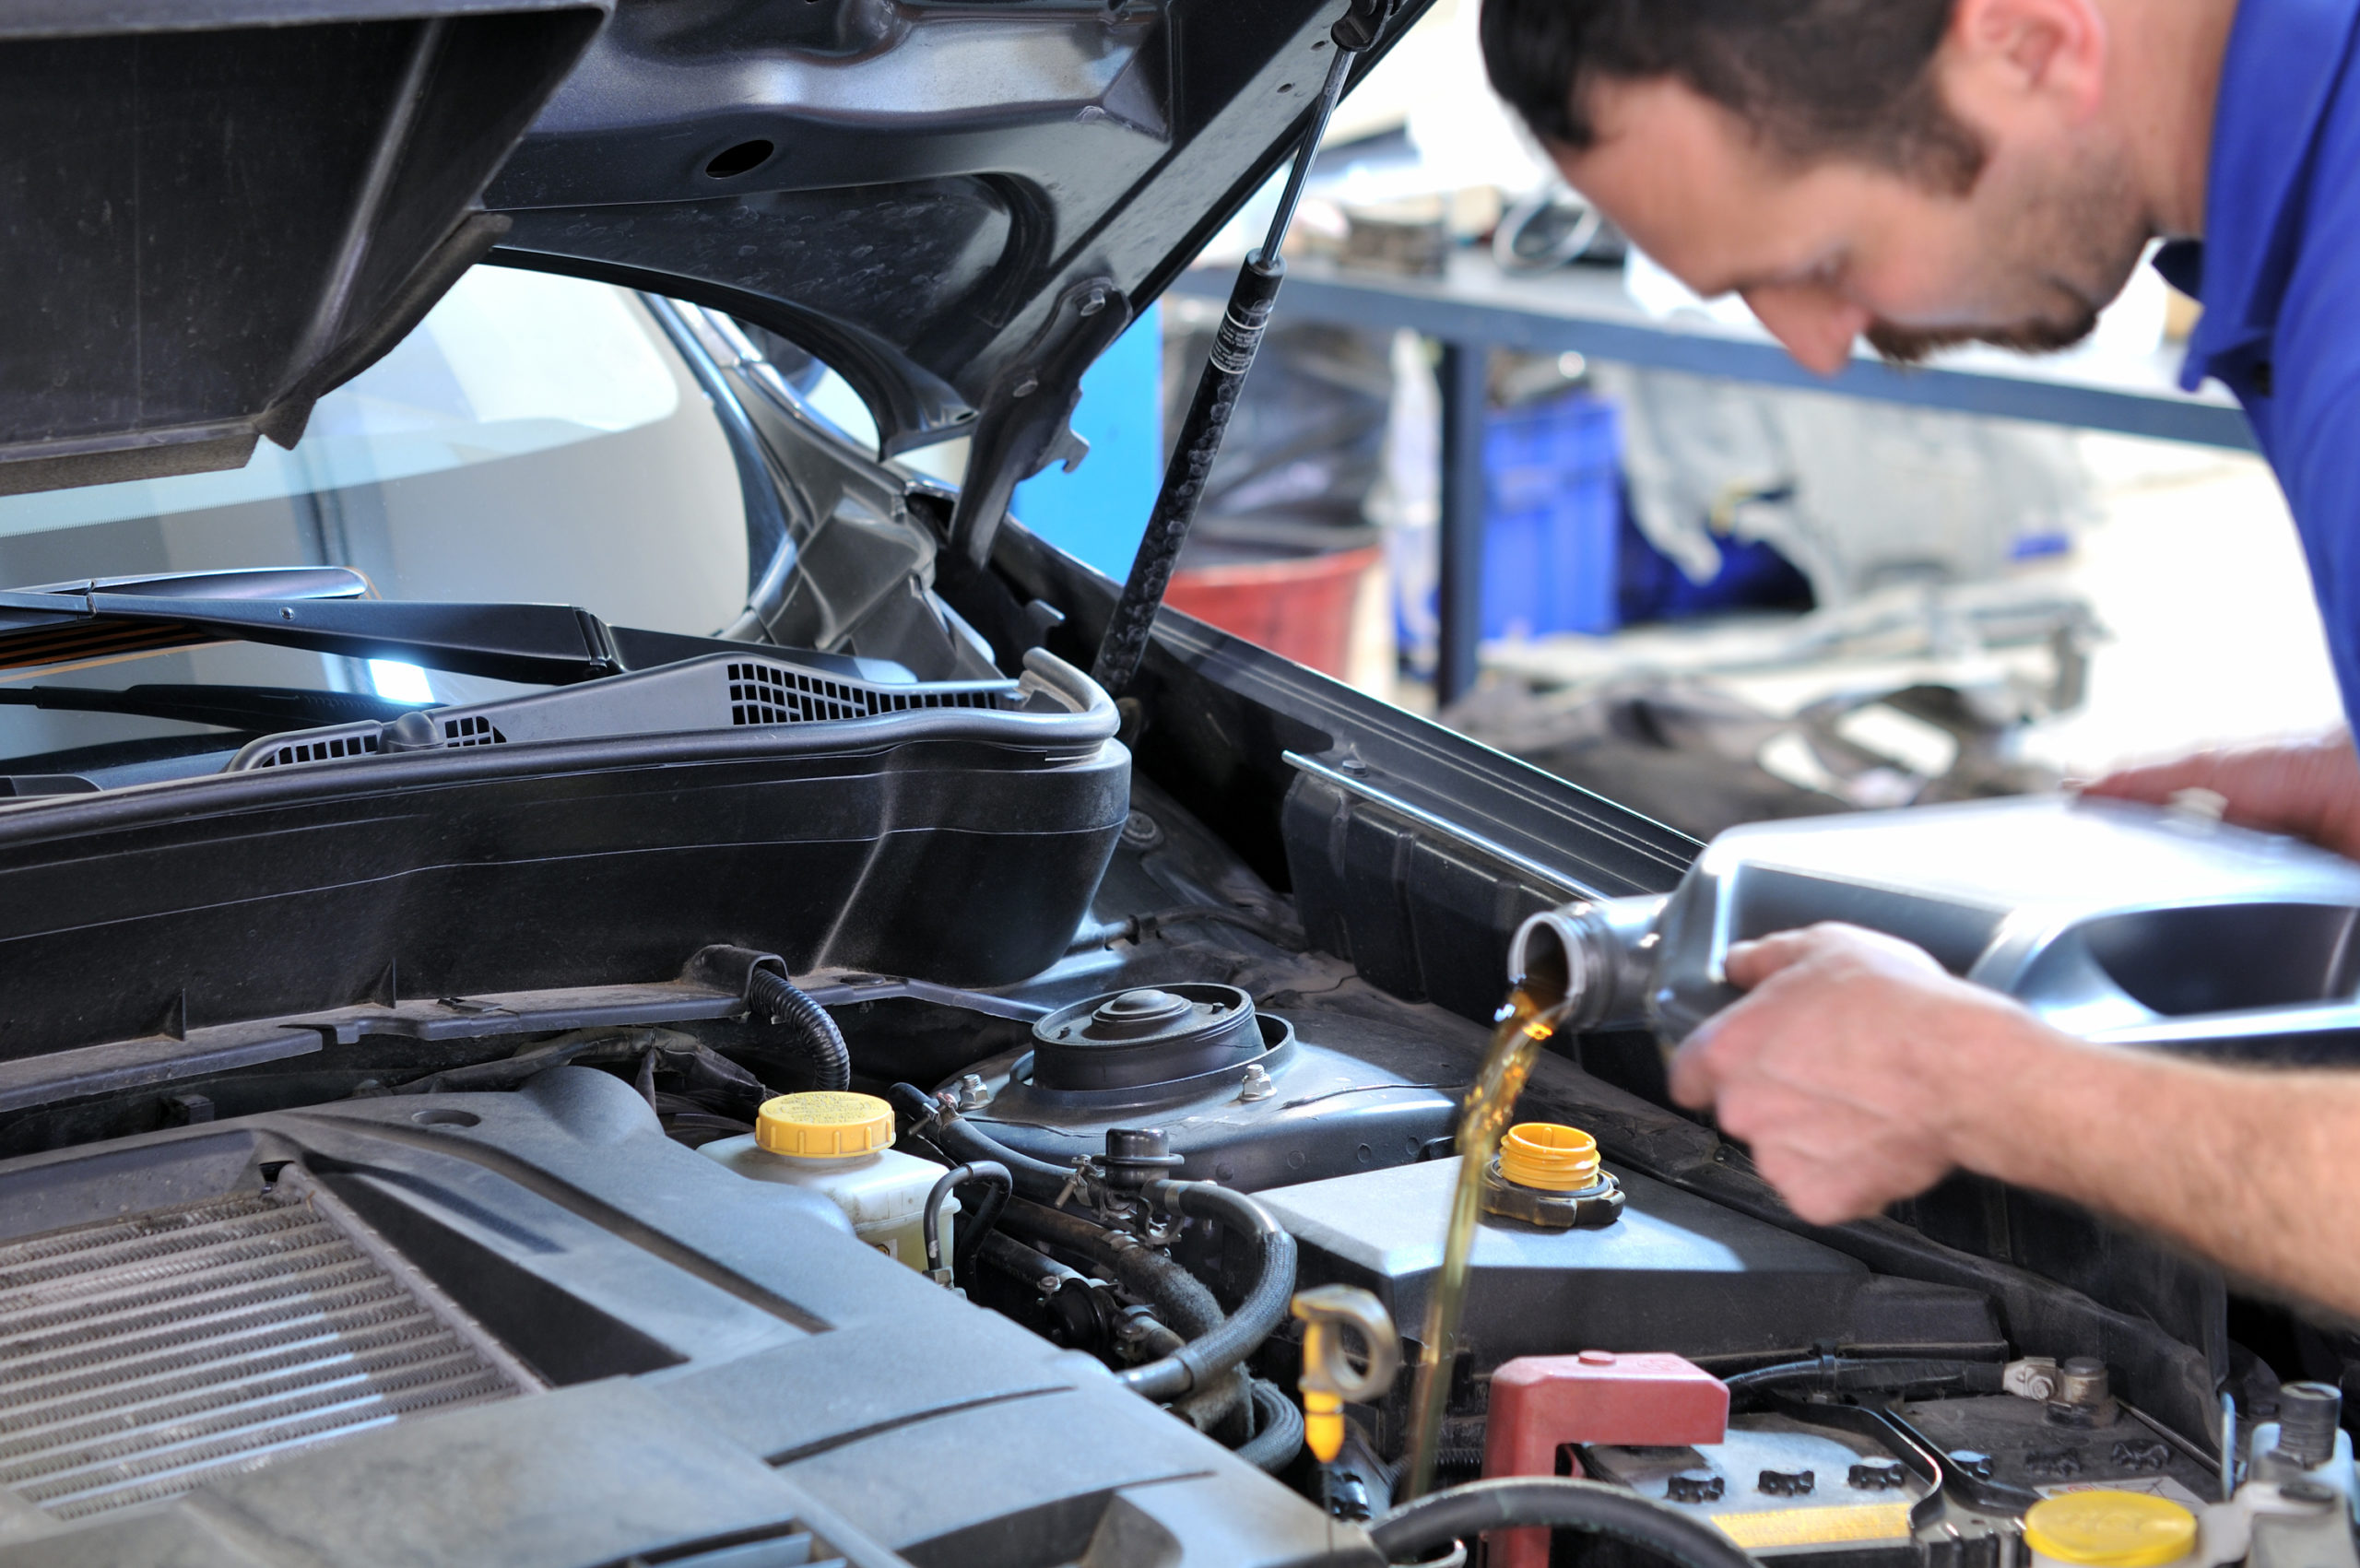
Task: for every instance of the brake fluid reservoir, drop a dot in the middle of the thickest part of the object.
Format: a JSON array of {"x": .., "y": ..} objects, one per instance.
[{"x": 840, "y": 1144}]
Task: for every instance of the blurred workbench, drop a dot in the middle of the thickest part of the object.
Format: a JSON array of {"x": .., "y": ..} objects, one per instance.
[{"x": 1477, "y": 307}]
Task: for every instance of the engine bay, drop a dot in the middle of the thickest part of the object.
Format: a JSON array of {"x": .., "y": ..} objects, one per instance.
[
  {"x": 480, "y": 1276},
  {"x": 834, "y": 1082}
]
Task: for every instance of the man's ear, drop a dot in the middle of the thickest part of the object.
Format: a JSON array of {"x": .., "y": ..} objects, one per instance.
[{"x": 2003, "y": 59}]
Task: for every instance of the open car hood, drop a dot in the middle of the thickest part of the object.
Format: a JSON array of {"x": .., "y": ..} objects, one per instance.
[{"x": 958, "y": 205}]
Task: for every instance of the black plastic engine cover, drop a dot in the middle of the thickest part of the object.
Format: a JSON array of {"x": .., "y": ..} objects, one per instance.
[
  {"x": 728, "y": 1365},
  {"x": 914, "y": 845}
]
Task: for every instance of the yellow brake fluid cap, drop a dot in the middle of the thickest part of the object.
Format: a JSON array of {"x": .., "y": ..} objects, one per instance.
[
  {"x": 1550, "y": 1157},
  {"x": 2110, "y": 1530},
  {"x": 824, "y": 1124}
]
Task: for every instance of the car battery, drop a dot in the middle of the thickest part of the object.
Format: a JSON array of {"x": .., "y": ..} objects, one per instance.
[{"x": 1778, "y": 1487}]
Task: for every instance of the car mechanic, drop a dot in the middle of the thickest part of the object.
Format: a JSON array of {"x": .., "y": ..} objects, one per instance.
[{"x": 1926, "y": 172}]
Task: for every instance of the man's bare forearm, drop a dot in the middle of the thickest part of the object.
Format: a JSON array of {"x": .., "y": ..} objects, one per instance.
[{"x": 2258, "y": 1169}]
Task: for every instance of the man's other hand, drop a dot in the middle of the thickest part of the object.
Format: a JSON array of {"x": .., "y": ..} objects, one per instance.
[
  {"x": 2309, "y": 788},
  {"x": 1850, "y": 1068}
]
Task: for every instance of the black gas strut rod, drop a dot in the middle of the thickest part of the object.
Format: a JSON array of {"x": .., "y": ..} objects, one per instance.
[{"x": 1241, "y": 325}]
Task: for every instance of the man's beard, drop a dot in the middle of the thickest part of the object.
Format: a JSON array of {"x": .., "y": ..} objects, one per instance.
[
  {"x": 2083, "y": 238},
  {"x": 1910, "y": 346}
]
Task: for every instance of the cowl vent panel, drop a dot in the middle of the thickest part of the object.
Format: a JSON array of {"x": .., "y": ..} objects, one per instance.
[
  {"x": 142, "y": 1355},
  {"x": 775, "y": 694},
  {"x": 715, "y": 692}
]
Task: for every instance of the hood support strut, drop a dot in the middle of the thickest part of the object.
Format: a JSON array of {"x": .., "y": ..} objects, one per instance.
[{"x": 1124, "y": 648}]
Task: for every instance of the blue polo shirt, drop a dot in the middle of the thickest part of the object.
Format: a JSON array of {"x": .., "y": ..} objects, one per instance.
[{"x": 2279, "y": 275}]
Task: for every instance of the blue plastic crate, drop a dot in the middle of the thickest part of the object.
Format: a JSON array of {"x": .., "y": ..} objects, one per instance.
[{"x": 1552, "y": 517}]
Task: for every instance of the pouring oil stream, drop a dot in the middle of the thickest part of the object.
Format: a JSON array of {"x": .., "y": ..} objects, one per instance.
[{"x": 1524, "y": 1021}]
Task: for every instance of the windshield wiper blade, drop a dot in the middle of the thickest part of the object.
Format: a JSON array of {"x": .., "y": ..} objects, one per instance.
[{"x": 257, "y": 709}]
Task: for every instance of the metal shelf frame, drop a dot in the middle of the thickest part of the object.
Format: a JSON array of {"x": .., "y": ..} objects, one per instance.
[{"x": 1476, "y": 308}]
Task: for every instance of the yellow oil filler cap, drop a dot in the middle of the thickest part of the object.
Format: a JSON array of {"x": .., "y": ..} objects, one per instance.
[
  {"x": 1549, "y": 1157},
  {"x": 824, "y": 1124},
  {"x": 2110, "y": 1530}
]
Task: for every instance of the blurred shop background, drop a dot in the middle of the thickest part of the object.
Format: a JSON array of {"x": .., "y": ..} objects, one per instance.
[{"x": 1728, "y": 600}]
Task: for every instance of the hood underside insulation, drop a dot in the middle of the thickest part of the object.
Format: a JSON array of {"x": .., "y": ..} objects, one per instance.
[{"x": 141, "y": 1355}]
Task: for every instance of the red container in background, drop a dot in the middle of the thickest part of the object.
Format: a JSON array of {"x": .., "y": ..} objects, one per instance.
[{"x": 1301, "y": 608}]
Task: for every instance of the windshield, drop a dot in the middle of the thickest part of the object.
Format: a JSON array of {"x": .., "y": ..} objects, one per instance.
[{"x": 534, "y": 439}]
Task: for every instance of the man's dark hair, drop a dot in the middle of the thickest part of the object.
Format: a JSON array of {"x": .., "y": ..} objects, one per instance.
[{"x": 1813, "y": 77}]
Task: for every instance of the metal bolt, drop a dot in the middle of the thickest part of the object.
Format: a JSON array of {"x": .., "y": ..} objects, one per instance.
[
  {"x": 1093, "y": 303},
  {"x": 1256, "y": 1084},
  {"x": 2083, "y": 1381},
  {"x": 972, "y": 1093},
  {"x": 2307, "y": 1414}
]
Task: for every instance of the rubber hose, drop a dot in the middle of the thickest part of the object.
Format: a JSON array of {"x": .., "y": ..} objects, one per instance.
[
  {"x": 1264, "y": 1308},
  {"x": 978, "y": 1226},
  {"x": 776, "y": 997},
  {"x": 1278, "y": 1437},
  {"x": 967, "y": 1143},
  {"x": 914, "y": 1104},
  {"x": 1176, "y": 1297},
  {"x": 1172, "y": 1294},
  {"x": 1462, "y": 1512},
  {"x": 930, "y": 1225},
  {"x": 1202, "y": 1408},
  {"x": 1017, "y": 1261},
  {"x": 1205, "y": 1409}
]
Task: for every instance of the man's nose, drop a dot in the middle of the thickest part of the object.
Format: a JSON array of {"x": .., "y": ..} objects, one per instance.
[{"x": 1817, "y": 327}]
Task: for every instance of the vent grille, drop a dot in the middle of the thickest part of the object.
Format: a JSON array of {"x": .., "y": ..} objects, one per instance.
[
  {"x": 320, "y": 749},
  {"x": 141, "y": 1356},
  {"x": 473, "y": 729},
  {"x": 772, "y": 694}
]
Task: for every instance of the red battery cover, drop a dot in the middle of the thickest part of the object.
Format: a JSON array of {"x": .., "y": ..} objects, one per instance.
[{"x": 1540, "y": 1403}]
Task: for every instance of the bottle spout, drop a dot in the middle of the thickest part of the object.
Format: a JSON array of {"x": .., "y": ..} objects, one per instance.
[{"x": 1597, "y": 953}]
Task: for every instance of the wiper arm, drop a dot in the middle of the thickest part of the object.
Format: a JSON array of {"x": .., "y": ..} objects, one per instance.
[
  {"x": 314, "y": 608},
  {"x": 258, "y": 710},
  {"x": 536, "y": 645},
  {"x": 542, "y": 644}
]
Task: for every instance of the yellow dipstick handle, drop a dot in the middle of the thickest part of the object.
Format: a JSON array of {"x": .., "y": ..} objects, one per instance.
[
  {"x": 1329, "y": 1378},
  {"x": 1323, "y": 1409}
]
